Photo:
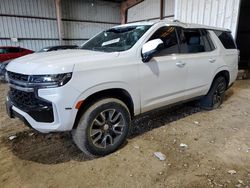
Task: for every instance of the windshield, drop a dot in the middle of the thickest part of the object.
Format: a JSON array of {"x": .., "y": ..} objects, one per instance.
[{"x": 116, "y": 39}]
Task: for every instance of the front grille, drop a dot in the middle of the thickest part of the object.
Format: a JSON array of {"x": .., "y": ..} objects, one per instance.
[
  {"x": 18, "y": 77},
  {"x": 23, "y": 99},
  {"x": 37, "y": 108}
]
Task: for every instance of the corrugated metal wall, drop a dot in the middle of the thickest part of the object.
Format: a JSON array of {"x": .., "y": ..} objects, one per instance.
[
  {"x": 220, "y": 13},
  {"x": 150, "y": 10},
  {"x": 33, "y": 22},
  {"x": 79, "y": 17}
]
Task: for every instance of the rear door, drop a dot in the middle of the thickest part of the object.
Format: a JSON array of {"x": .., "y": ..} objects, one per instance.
[{"x": 200, "y": 57}]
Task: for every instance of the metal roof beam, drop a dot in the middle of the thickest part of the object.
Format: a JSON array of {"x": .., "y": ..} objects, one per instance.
[
  {"x": 59, "y": 20},
  {"x": 124, "y": 8}
]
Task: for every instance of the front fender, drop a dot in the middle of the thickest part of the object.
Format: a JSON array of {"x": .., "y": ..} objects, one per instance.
[{"x": 112, "y": 85}]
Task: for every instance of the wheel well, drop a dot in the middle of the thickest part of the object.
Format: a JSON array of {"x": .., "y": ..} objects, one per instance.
[
  {"x": 225, "y": 74},
  {"x": 120, "y": 94}
]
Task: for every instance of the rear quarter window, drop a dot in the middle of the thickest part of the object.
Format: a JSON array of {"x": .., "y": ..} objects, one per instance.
[{"x": 226, "y": 39}]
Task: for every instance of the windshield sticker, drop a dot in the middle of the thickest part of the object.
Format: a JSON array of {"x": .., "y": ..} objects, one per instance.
[{"x": 111, "y": 42}]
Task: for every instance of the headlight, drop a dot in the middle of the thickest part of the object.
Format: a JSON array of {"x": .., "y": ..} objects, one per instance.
[{"x": 53, "y": 80}]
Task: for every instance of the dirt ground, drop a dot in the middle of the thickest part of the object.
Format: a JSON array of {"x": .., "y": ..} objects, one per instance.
[{"x": 217, "y": 141}]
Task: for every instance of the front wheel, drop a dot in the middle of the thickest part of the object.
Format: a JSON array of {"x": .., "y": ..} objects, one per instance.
[
  {"x": 103, "y": 128},
  {"x": 216, "y": 94}
]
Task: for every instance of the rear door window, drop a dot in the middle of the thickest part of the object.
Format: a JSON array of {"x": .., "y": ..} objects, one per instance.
[
  {"x": 193, "y": 41},
  {"x": 226, "y": 39},
  {"x": 208, "y": 43}
]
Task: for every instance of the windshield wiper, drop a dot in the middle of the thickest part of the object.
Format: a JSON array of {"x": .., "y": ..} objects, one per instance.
[{"x": 98, "y": 49}]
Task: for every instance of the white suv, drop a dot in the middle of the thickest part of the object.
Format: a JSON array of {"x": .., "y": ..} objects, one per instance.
[{"x": 124, "y": 71}]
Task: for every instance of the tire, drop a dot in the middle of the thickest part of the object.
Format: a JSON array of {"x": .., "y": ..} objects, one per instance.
[
  {"x": 102, "y": 128},
  {"x": 216, "y": 94}
]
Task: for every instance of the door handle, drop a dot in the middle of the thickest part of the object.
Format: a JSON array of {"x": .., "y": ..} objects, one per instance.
[
  {"x": 180, "y": 64},
  {"x": 212, "y": 60}
]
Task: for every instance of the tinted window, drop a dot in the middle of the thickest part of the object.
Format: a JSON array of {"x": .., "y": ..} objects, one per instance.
[
  {"x": 168, "y": 36},
  {"x": 191, "y": 41},
  {"x": 226, "y": 39},
  {"x": 208, "y": 44},
  {"x": 3, "y": 51},
  {"x": 13, "y": 50}
]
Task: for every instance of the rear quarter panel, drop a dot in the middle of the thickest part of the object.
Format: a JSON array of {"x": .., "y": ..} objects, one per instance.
[{"x": 227, "y": 59}]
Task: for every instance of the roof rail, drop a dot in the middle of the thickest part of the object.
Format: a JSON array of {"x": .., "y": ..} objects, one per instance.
[{"x": 180, "y": 22}]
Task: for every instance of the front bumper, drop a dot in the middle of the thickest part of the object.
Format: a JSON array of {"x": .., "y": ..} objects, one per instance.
[
  {"x": 2, "y": 75},
  {"x": 38, "y": 108},
  {"x": 12, "y": 114},
  {"x": 54, "y": 110},
  {"x": 3, "y": 71}
]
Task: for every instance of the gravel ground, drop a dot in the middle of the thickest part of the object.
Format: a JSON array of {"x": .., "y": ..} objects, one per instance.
[{"x": 218, "y": 143}]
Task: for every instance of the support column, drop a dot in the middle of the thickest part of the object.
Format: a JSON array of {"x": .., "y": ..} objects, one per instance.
[
  {"x": 124, "y": 8},
  {"x": 161, "y": 9},
  {"x": 59, "y": 20}
]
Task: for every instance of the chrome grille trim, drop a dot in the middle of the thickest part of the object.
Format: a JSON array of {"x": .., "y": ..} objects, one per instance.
[{"x": 26, "y": 89}]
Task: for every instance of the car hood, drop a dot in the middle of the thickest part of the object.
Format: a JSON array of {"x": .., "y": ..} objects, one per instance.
[{"x": 57, "y": 61}]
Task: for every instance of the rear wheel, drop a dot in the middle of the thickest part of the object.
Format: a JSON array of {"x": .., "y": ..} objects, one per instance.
[
  {"x": 103, "y": 128},
  {"x": 216, "y": 94}
]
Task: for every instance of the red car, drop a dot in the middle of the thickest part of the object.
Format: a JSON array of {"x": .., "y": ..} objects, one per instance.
[{"x": 9, "y": 52}]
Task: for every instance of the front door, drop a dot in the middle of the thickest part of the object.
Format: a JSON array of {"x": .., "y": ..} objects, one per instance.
[{"x": 163, "y": 78}]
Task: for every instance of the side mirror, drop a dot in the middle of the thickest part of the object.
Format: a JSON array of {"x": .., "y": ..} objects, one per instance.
[{"x": 150, "y": 48}]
